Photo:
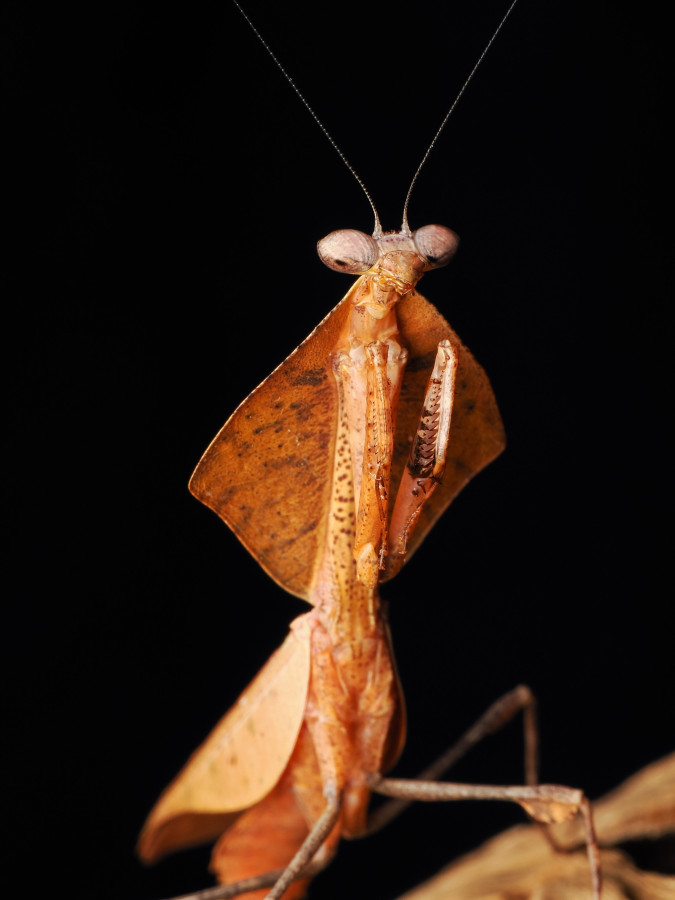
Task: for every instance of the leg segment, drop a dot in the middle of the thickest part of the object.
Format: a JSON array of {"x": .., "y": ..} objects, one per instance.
[
  {"x": 320, "y": 831},
  {"x": 246, "y": 885},
  {"x": 426, "y": 463},
  {"x": 371, "y": 527},
  {"x": 546, "y": 803},
  {"x": 492, "y": 720},
  {"x": 301, "y": 866}
]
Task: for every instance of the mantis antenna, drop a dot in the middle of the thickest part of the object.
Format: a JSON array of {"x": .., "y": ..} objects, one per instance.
[
  {"x": 378, "y": 227},
  {"x": 377, "y": 231},
  {"x": 405, "y": 228}
]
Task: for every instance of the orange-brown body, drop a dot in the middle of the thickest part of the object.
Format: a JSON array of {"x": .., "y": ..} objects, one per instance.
[{"x": 337, "y": 418}]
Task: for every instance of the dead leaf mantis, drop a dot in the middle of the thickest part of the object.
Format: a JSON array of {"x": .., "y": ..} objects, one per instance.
[{"x": 381, "y": 393}]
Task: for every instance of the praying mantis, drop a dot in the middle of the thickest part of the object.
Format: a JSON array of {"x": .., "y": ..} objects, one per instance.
[{"x": 331, "y": 473}]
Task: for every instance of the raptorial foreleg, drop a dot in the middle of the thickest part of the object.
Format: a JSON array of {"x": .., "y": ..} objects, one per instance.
[
  {"x": 370, "y": 541},
  {"x": 426, "y": 462}
]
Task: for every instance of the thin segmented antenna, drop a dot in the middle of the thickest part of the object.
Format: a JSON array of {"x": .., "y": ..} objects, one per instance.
[
  {"x": 377, "y": 232},
  {"x": 405, "y": 228}
]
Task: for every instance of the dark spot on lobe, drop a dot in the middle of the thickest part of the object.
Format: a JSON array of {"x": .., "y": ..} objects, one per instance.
[{"x": 312, "y": 377}]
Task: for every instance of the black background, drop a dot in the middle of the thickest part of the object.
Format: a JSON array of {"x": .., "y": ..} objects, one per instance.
[{"x": 170, "y": 190}]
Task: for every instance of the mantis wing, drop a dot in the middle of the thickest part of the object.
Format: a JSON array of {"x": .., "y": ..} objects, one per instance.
[{"x": 240, "y": 761}]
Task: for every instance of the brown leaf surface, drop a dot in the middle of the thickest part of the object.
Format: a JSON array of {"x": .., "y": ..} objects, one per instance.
[
  {"x": 521, "y": 865},
  {"x": 239, "y": 762}
]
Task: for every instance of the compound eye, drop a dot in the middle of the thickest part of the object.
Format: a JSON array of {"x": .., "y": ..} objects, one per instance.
[
  {"x": 348, "y": 250},
  {"x": 437, "y": 244}
]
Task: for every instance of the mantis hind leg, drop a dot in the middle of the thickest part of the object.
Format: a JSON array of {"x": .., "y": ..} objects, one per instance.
[
  {"x": 309, "y": 853},
  {"x": 493, "y": 719},
  {"x": 261, "y": 842},
  {"x": 544, "y": 803},
  {"x": 312, "y": 844}
]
